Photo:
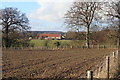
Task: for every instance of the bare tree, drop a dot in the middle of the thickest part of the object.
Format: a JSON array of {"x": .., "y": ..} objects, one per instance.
[
  {"x": 113, "y": 17},
  {"x": 12, "y": 21},
  {"x": 82, "y": 14}
]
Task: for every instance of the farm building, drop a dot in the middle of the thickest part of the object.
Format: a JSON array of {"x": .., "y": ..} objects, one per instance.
[{"x": 50, "y": 36}]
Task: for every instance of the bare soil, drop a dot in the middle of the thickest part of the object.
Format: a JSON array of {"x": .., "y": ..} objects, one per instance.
[{"x": 69, "y": 63}]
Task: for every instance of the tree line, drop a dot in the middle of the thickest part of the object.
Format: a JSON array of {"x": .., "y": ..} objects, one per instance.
[{"x": 103, "y": 37}]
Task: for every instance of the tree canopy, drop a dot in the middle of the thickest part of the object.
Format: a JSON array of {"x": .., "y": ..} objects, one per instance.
[
  {"x": 82, "y": 14},
  {"x": 14, "y": 24}
]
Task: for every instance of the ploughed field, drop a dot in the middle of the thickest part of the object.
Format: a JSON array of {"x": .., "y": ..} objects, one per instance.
[{"x": 68, "y": 63}]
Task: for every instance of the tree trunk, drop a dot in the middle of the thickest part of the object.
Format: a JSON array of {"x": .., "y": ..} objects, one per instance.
[
  {"x": 87, "y": 37},
  {"x": 6, "y": 38},
  {"x": 118, "y": 40}
]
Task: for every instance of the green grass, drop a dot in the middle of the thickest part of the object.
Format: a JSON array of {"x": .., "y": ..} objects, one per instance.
[
  {"x": 37, "y": 43},
  {"x": 51, "y": 43}
]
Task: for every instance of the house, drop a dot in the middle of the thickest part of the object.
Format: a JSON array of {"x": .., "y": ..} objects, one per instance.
[{"x": 50, "y": 36}]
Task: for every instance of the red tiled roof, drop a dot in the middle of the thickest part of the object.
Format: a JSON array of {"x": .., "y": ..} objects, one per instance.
[{"x": 50, "y": 35}]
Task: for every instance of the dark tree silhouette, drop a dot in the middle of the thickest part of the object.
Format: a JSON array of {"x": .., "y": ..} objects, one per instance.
[
  {"x": 113, "y": 16},
  {"x": 12, "y": 20},
  {"x": 82, "y": 14}
]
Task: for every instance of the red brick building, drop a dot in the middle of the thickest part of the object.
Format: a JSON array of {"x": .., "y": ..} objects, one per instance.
[{"x": 50, "y": 36}]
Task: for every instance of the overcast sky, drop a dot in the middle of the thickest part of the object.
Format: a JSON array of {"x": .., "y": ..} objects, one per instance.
[{"x": 44, "y": 15}]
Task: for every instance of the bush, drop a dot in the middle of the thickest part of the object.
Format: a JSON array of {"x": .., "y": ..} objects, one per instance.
[{"x": 57, "y": 44}]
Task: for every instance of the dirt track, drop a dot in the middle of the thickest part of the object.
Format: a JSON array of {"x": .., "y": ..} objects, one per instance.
[{"x": 49, "y": 64}]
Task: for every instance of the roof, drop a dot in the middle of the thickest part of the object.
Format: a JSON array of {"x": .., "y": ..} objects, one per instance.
[{"x": 50, "y": 35}]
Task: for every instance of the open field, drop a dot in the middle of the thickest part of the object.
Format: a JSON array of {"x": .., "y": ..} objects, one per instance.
[
  {"x": 50, "y": 43},
  {"x": 68, "y": 63},
  {"x": 67, "y": 43}
]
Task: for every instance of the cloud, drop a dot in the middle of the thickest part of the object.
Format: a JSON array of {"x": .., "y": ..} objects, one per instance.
[{"x": 51, "y": 10}]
